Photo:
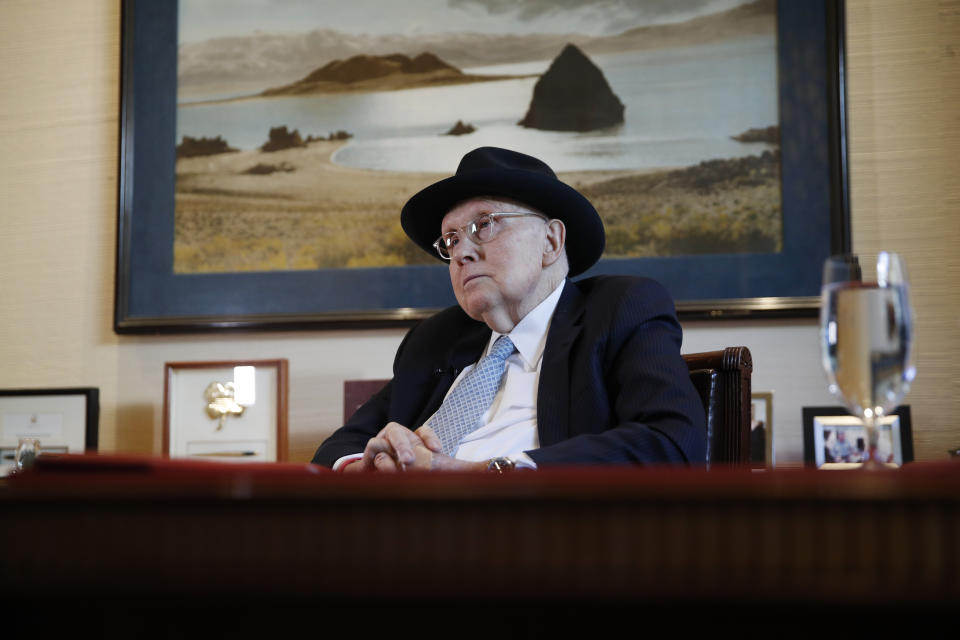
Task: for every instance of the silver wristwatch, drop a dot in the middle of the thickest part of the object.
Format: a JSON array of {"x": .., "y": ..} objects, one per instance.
[{"x": 501, "y": 465}]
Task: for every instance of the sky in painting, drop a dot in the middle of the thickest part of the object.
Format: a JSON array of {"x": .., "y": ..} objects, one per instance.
[{"x": 204, "y": 19}]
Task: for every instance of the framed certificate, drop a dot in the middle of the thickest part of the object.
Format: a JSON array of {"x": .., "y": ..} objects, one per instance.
[
  {"x": 62, "y": 420},
  {"x": 226, "y": 410}
]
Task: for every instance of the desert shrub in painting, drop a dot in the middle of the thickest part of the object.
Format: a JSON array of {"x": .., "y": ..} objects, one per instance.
[{"x": 306, "y": 213}]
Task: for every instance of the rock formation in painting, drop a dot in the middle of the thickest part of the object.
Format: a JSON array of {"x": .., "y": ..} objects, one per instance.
[
  {"x": 380, "y": 73},
  {"x": 359, "y": 68},
  {"x": 460, "y": 129},
  {"x": 192, "y": 147},
  {"x": 281, "y": 138},
  {"x": 573, "y": 95},
  {"x": 769, "y": 135}
]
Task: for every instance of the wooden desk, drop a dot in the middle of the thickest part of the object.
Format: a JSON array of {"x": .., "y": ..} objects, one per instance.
[{"x": 616, "y": 540}]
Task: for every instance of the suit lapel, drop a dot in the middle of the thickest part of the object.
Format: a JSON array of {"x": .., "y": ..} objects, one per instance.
[
  {"x": 553, "y": 397},
  {"x": 464, "y": 351}
]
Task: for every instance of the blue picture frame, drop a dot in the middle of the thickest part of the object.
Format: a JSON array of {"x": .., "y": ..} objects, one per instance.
[{"x": 150, "y": 298}]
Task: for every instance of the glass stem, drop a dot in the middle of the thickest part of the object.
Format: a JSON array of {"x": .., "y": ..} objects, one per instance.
[{"x": 870, "y": 446}]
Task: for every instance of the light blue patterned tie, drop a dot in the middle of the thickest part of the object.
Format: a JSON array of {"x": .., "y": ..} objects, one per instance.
[{"x": 460, "y": 413}]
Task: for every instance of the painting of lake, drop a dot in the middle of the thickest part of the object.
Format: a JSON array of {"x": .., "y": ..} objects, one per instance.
[{"x": 314, "y": 176}]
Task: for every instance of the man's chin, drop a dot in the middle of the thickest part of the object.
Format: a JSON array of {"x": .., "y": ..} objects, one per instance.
[
  {"x": 476, "y": 306},
  {"x": 475, "y": 314}
]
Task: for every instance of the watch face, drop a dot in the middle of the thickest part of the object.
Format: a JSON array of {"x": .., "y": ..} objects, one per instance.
[{"x": 501, "y": 465}]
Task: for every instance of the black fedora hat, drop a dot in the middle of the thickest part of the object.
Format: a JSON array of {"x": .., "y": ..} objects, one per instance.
[{"x": 492, "y": 171}]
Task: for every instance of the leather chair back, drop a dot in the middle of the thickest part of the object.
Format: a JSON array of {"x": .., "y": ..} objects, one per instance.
[{"x": 723, "y": 380}]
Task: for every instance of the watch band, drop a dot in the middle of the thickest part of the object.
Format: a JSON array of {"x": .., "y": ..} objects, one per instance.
[{"x": 501, "y": 465}]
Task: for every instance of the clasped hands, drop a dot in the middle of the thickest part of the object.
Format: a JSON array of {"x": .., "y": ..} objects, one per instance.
[{"x": 397, "y": 448}]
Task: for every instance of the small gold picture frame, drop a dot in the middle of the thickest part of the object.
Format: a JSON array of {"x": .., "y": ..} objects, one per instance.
[
  {"x": 231, "y": 410},
  {"x": 761, "y": 430}
]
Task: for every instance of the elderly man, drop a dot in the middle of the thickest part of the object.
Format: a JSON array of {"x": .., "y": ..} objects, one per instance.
[{"x": 531, "y": 369}]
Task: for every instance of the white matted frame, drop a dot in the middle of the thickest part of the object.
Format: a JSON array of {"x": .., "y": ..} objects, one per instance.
[
  {"x": 230, "y": 410},
  {"x": 761, "y": 430},
  {"x": 64, "y": 420},
  {"x": 834, "y": 439}
]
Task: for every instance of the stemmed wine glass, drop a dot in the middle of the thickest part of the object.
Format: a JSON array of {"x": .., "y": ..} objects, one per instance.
[{"x": 866, "y": 337}]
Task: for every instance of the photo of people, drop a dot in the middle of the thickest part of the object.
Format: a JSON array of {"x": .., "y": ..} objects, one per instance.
[{"x": 840, "y": 441}]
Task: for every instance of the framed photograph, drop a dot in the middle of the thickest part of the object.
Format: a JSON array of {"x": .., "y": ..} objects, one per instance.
[
  {"x": 265, "y": 153},
  {"x": 834, "y": 439},
  {"x": 62, "y": 420},
  {"x": 761, "y": 430},
  {"x": 234, "y": 411}
]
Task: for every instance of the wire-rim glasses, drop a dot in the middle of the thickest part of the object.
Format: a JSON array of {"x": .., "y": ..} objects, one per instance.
[{"x": 481, "y": 229}]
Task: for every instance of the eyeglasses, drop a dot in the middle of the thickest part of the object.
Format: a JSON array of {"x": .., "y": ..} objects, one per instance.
[{"x": 480, "y": 230}]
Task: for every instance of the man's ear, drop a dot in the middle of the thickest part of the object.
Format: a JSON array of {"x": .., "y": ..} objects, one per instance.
[{"x": 555, "y": 241}]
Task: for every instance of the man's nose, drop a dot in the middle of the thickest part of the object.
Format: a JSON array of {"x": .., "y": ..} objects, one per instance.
[{"x": 465, "y": 251}]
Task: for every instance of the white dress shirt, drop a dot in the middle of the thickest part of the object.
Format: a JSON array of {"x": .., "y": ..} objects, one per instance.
[{"x": 509, "y": 426}]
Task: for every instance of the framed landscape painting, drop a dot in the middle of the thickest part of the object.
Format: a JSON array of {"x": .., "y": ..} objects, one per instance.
[{"x": 267, "y": 149}]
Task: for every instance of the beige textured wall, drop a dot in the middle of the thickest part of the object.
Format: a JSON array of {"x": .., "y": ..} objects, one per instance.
[
  {"x": 59, "y": 99},
  {"x": 903, "y": 61},
  {"x": 58, "y": 115}
]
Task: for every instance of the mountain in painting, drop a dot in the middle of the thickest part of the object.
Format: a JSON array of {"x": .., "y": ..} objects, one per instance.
[
  {"x": 380, "y": 73},
  {"x": 259, "y": 59},
  {"x": 573, "y": 95}
]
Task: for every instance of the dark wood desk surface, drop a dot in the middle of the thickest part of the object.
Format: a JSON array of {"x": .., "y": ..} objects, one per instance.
[{"x": 112, "y": 526}]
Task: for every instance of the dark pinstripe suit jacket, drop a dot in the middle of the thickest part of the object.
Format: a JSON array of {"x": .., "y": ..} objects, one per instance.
[{"x": 613, "y": 386}]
